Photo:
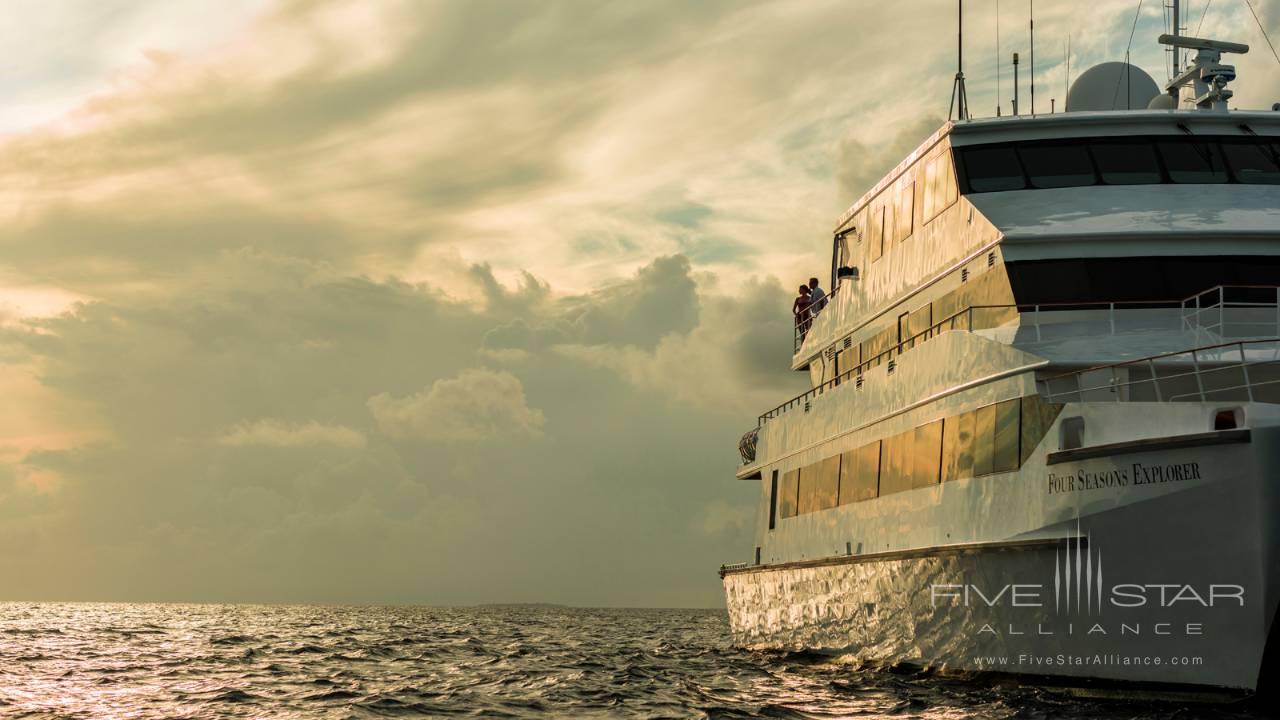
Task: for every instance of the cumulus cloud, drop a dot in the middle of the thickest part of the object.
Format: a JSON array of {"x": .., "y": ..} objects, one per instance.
[
  {"x": 476, "y": 405},
  {"x": 279, "y": 434}
]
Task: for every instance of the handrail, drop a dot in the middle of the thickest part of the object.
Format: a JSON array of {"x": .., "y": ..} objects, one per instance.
[
  {"x": 1202, "y": 370},
  {"x": 1035, "y": 309},
  {"x": 1112, "y": 304}
]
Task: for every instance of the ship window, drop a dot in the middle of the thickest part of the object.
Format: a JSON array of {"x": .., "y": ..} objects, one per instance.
[
  {"x": 1037, "y": 416},
  {"x": 860, "y": 474},
  {"x": 1057, "y": 165},
  {"x": 875, "y": 233},
  {"x": 1254, "y": 162},
  {"x": 905, "y": 212},
  {"x": 993, "y": 169},
  {"x": 787, "y": 498},
  {"x": 984, "y": 438},
  {"x": 1005, "y": 449},
  {"x": 957, "y": 447},
  {"x": 928, "y": 454},
  {"x": 773, "y": 501},
  {"x": 820, "y": 485},
  {"x": 1193, "y": 161},
  {"x": 898, "y": 464},
  {"x": 1127, "y": 163}
]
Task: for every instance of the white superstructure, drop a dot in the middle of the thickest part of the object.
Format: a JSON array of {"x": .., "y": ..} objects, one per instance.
[{"x": 1043, "y": 435}]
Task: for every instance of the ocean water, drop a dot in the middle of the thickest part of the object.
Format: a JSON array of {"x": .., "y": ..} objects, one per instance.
[{"x": 246, "y": 661}]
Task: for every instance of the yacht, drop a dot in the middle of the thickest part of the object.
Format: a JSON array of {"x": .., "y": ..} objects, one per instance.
[{"x": 1043, "y": 431}]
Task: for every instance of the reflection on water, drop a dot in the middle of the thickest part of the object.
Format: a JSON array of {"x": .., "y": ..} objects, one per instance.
[{"x": 207, "y": 661}]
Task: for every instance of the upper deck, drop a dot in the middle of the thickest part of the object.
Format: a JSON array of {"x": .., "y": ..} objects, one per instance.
[{"x": 1024, "y": 195}]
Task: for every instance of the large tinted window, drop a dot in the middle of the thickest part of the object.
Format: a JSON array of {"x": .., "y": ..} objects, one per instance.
[
  {"x": 1193, "y": 161},
  {"x": 993, "y": 169},
  {"x": 1135, "y": 160},
  {"x": 1126, "y": 163},
  {"x": 1056, "y": 165},
  {"x": 1254, "y": 162}
]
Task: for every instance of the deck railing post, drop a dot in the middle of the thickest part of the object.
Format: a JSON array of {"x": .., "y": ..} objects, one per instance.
[
  {"x": 1111, "y": 316},
  {"x": 1244, "y": 369},
  {"x": 1195, "y": 366},
  {"x": 1151, "y": 364}
]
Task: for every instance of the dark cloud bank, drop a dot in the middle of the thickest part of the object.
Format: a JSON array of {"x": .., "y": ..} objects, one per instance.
[{"x": 277, "y": 432}]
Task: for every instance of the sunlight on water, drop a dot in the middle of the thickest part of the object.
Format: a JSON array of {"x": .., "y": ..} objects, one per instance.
[{"x": 215, "y": 661}]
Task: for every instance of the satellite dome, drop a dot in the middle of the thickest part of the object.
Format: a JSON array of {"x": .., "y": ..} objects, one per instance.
[
  {"x": 1112, "y": 86},
  {"x": 1163, "y": 101}
]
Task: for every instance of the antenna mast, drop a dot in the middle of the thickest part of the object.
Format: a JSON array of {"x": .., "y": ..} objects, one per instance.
[
  {"x": 1033, "y": 56},
  {"x": 959, "y": 106}
]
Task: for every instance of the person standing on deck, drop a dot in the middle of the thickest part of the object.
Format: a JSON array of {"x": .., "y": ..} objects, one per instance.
[
  {"x": 800, "y": 307},
  {"x": 817, "y": 298}
]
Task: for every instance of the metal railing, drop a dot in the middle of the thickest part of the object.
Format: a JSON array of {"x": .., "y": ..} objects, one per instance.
[
  {"x": 962, "y": 320},
  {"x": 1193, "y": 310},
  {"x": 1257, "y": 307},
  {"x": 1245, "y": 371}
]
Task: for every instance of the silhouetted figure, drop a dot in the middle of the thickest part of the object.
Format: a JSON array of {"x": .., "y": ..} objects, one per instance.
[
  {"x": 817, "y": 298},
  {"x": 800, "y": 307}
]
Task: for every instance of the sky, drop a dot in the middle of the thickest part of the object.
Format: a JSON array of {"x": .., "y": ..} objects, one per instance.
[{"x": 443, "y": 302}]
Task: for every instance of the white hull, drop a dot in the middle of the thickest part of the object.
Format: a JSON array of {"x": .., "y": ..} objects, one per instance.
[{"x": 1207, "y": 525}]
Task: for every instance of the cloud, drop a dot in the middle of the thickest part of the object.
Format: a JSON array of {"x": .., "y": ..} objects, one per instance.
[
  {"x": 476, "y": 405},
  {"x": 279, "y": 434},
  {"x": 334, "y": 227}
]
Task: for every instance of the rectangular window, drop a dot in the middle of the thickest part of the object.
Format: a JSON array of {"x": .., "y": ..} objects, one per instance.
[
  {"x": 773, "y": 501},
  {"x": 929, "y": 191},
  {"x": 1005, "y": 458},
  {"x": 1037, "y": 417},
  {"x": 875, "y": 232},
  {"x": 927, "y": 452},
  {"x": 1256, "y": 163},
  {"x": 957, "y": 447},
  {"x": 904, "y": 328},
  {"x": 904, "y": 216},
  {"x": 820, "y": 485},
  {"x": 790, "y": 489},
  {"x": 1126, "y": 163},
  {"x": 897, "y": 463},
  {"x": 1193, "y": 161},
  {"x": 860, "y": 474},
  {"x": 1055, "y": 165},
  {"x": 993, "y": 169},
  {"x": 984, "y": 439}
]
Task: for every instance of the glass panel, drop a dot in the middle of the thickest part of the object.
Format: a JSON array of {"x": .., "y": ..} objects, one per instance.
[
  {"x": 905, "y": 221},
  {"x": 957, "y": 447},
  {"x": 947, "y": 173},
  {"x": 1127, "y": 163},
  {"x": 895, "y": 475},
  {"x": 822, "y": 481},
  {"x": 984, "y": 437},
  {"x": 930, "y": 181},
  {"x": 928, "y": 454},
  {"x": 787, "y": 496},
  {"x": 860, "y": 474},
  {"x": 1037, "y": 416},
  {"x": 1005, "y": 457},
  {"x": 1253, "y": 162},
  {"x": 1057, "y": 165},
  {"x": 875, "y": 233},
  {"x": 990, "y": 169},
  {"x": 1193, "y": 161}
]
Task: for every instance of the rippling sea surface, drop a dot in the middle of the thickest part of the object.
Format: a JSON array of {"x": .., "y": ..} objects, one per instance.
[{"x": 217, "y": 661}]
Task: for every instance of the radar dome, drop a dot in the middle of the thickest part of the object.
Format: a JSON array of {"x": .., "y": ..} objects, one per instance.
[
  {"x": 1163, "y": 101},
  {"x": 1112, "y": 86}
]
